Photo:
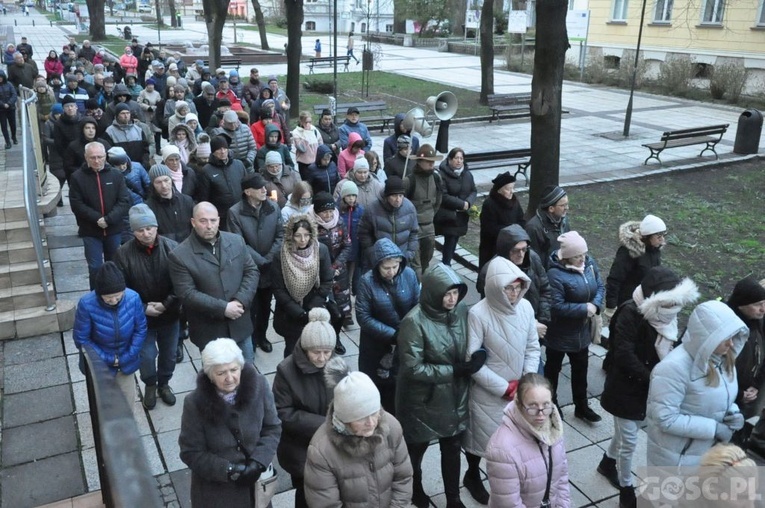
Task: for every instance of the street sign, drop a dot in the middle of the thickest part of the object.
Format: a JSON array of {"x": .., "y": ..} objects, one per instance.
[
  {"x": 577, "y": 23},
  {"x": 517, "y": 22}
]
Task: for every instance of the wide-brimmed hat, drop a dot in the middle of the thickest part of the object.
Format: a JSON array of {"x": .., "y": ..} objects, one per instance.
[{"x": 427, "y": 153}]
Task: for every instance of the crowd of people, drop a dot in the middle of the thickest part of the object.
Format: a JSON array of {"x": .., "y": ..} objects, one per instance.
[{"x": 198, "y": 207}]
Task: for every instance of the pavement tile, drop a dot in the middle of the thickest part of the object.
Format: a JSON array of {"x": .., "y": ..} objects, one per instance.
[
  {"x": 85, "y": 430},
  {"x": 71, "y": 276},
  {"x": 80, "y": 391},
  {"x": 164, "y": 418},
  {"x": 63, "y": 241},
  {"x": 152, "y": 454},
  {"x": 39, "y": 440},
  {"x": 595, "y": 432},
  {"x": 182, "y": 482},
  {"x": 581, "y": 472},
  {"x": 37, "y": 405},
  {"x": 90, "y": 466},
  {"x": 32, "y": 349},
  {"x": 66, "y": 254},
  {"x": 69, "y": 347},
  {"x": 168, "y": 444},
  {"x": 35, "y": 375},
  {"x": 22, "y": 486},
  {"x": 74, "y": 368}
]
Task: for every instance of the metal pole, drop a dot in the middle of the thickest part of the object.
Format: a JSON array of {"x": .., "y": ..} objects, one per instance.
[
  {"x": 334, "y": 35},
  {"x": 159, "y": 24},
  {"x": 628, "y": 115}
]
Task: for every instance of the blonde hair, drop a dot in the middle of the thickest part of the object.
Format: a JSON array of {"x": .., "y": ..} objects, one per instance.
[
  {"x": 723, "y": 467},
  {"x": 729, "y": 367},
  {"x": 305, "y": 115}
]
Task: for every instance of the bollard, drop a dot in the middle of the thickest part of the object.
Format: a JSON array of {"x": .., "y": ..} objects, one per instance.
[
  {"x": 33, "y": 22},
  {"x": 15, "y": 22}
]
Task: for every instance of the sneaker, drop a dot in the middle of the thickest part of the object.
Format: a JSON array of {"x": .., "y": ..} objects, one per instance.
[
  {"x": 179, "y": 353},
  {"x": 627, "y": 497},
  {"x": 167, "y": 395},
  {"x": 348, "y": 322},
  {"x": 339, "y": 348},
  {"x": 150, "y": 397},
  {"x": 587, "y": 414},
  {"x": 476, "y": 488},
  {"x": 265, "y": 345},
  {"x": 607, "y": 468},
  {"x": 15, "y": 142}
]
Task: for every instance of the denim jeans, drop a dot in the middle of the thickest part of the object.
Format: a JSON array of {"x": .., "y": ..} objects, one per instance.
[
  {"x": 247, "y": 351},
  {"x": 97, "y": 250},
  {"x": 622, "y": 448},
  {"x": 158, "y": 354}
]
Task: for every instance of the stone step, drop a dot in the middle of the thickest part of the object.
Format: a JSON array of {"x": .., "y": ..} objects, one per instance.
[
  {"x": 15, "y": 213},
  {"x": 17, "y": 252},
  {"x": 22, "y": 274},
  {"x": 22, "y": 297},
  {"x": 16, "y": 231},
  {"x": 19, "y": 324}
]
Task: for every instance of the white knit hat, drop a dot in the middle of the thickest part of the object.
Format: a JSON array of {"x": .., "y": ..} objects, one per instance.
[
  {"x": 356, "y": 396},
  {"x": 652, "y": 225},
  {"x": 571, "y": 244},
  {"x": 318, "y": 333}
]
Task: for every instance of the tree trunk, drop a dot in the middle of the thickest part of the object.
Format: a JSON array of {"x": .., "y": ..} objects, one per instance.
[
  {"x": 260, "y": 20},
  {"x": 97, "y": 19},
  {"x": 399, "y": 18},
  {"x": 215, "y": 17},
  {"x": 294, "y": 11},
  {"x": 487, "y": 51},
  {"x": 457, "y": 8},
  {"x": 173, "y": 13},
  {"x": 546, "y": 85}
]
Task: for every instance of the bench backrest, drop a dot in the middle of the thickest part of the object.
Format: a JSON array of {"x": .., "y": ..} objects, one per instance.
[
  {"x": 329, "y": 59},
  {"x": 498, "y": 155},
  {"x": 362, "y": 106},
  {"x": 508, "y": 99},
  {"x": 712, "y": 130}
]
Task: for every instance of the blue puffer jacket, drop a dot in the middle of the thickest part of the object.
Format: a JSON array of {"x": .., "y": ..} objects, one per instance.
[
  {"x": 118, "y": 331},
  {"x": 322, "y": 178},
  {"x": 569, "y": 330},
  {"x": 138, "y": 183},
  {"x": 381, "y": 305}
]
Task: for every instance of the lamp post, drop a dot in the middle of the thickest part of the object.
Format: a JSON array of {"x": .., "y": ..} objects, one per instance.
[
  {"x": 334, "y": 43},
  {"x": 628, "y": 114},
  {"x": 159, "y": 25}
]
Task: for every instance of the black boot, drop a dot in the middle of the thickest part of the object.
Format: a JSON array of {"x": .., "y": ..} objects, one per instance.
[
  {"x": 627, "y": 497},
  {"x": 454, "y": 502},
  {"x": 607, "y": 468},
  {"x": 339, "y": 348},
  {"x": 179, "y": 352},
  {"x": 474, "y": 485},
  {"x": 265, "y": 345},
  {"x": 419, "y": 498}
]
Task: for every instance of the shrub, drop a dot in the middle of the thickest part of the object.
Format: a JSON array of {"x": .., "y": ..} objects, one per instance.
[
  {"x": 513, "y": 60},
  {"x": 675, "y": 75},
  {"x": 728, "y": 78},
  {"x": 280, "y": 21},
  {"x": 595, "y": 71},
  {"x": 317, "y": 86},
  {"x": 624, "y": 74}
]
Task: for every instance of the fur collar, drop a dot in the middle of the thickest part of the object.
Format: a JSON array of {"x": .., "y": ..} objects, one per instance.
[
  {"x": 630, "y": 237},
  {"x": 212, "y": 407},
  {"x": 356, "y": 446},
  {"x": 683, "y": 294}
]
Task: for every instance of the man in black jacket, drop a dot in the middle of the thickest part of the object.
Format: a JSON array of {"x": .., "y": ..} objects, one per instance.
[
  {"x": 100, "y": 201},
  {"x": 172, "y": 208},
  {"x": 145, "y": 261}
]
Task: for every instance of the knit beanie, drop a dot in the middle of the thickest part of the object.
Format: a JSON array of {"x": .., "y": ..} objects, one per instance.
[
  {"x": 551, "y": 195},
  {"x": 117, "y": 155},
  {"x": 361, "y": 163},
  {"x": 170, "y": 81},
  {"x": 274, "y": 157},
  {"x": 571, "y": 244},
  {"x": 204, "y": 149},
  {"x": 57, "y": 109},
  {"x": 218, "y": 142},
  {"x": 356, "y": 396},
  {"x": 109, "y": 279},
  {"x": 318, "y": 333},
  {"x": 658, "y": 279},
  {"x": 121, "y": 107},
  {"x": 169, "y": 150},
  {"x": 189, "y": 117},
  {"x": 254, "y": 181},
  {"x": 230, "y": 116},
  {"x": 349, "y": 189},
  {"x": 141, "y": 216},
  {"x": 394, "y": 185},
  {"x": 403, "y": 141},
  {"x": 652, "y": 225},
  {"x": 179, "y": 105},
  {"x": 746, "y": 291},
  {"x": 322, "y": 202},
  {"x": 68, "y": 100},
  {"x": 151, "y": 81},
  {"x": 158, "y": 170},
  {"x": 503, "y": 179}
]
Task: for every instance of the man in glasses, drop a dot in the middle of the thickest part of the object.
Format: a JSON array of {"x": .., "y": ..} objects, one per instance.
[{"x": 550, "y": 221}]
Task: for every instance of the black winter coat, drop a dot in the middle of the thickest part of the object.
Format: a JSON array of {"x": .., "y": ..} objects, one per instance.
[
  {"x": 93, "y": 195},
  {"x": 66, "y": 130},
  {"x": 148, "y": 274},
  {"x": 302, "y": 400},
  {"x": 544, "y": 233},
  {"x": 207, "y": 442},
  {"x": 173, "y": 215},
  {"x": 220, "y": 183},
  {"x": 497, "y": 212},
  {"x": 452, "y": 219},
  {"x": 263, "y": 232},
  {"x": 381, "y": 220},
  {"x": 633, "y": 260}
]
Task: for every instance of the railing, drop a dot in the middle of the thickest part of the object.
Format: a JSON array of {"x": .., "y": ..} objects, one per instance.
[
  {"x": 123, "y": 469},
  {"x": 32, "y": 189}
]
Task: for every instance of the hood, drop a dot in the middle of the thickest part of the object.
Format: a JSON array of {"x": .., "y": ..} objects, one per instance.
[
  {"x": 436, "y": 281},
  {"x": 397, "y": 121},
  {"x": 629, "y": 236},
  {"x": 273, "y": 128},
  {"x": 683, "y": 294},
  {"x": 353, "y": 137},
  {"x": 289, "y": 243},
  {"x": 711, "y": 323},
  {"x": 508, "y": 237},
  {"x": 501, "y": 273},
  {"x": 121, "y": 90},
  {"x": 549, "y": 434},
  {"x": 321, "y": 152},
  {"x": 85, "y": 121},
  {"x": 3, "y": 76},
  {"x": 189, "y": 135},
  {"x": 383, "y": 249}
]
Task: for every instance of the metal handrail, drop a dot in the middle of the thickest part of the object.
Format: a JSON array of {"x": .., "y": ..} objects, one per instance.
[
  {"x": 123, "y": 468},
  {"x": 29, "y": 173}
]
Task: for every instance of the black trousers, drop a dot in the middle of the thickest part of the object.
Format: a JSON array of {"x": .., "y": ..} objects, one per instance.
[
  {"x": 450, "y": 463},
  {"x": 579, "y": 362},
  {"x": 261, "y": 311},
  {"x": 8, "y": 119}
]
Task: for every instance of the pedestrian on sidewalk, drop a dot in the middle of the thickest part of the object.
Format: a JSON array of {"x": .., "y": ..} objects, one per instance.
[
  {"x": 349, "y": 47},
  {"x": 8, "y": 99},
  {"x": 317, "y": 48}
]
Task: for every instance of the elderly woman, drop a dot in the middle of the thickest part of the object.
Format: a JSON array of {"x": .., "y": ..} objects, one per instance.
[
  {"x": 498, "y": 211},
  {"x": 691, "y": 398},
  {"x": 302, "y": 397},
  {"x": 302, "y": 278},
  {"x": 306, "y": 138},
  {"x": 432, "y": 388},
  {"x": 502, "y": 323},
  {"x": 386, "y": 293},
  {"x": 452, "y": 219},
  {"x": 576, "y": 296},
  {"x": 526, "y": 456},
  {"x": 369, "y": 186},
  {"x": 358, "y": 457},
  {"x": 229, "y": 428}
]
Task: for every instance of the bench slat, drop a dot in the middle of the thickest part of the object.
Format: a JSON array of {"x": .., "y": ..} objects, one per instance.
[
  {"x": 709, "y": 136},
  {"x": 673, "y": 143}
]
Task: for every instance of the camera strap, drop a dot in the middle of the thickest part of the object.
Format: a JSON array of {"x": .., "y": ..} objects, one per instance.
[{"x": 549, "y": 467}]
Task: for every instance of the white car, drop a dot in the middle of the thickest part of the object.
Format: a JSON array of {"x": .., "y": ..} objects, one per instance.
[{"x": 144, "y": 8}]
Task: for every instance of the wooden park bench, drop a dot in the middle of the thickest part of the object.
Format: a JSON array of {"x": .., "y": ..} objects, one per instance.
[
  {"x": 226, "y": 61},
  {"x": 520, "y": 157},
  {"x": 328, "y": 61},
  {"x": 369, "y": 112},
  {"x": 516, "y": 104},
  {"x": 708, "y": 136}
]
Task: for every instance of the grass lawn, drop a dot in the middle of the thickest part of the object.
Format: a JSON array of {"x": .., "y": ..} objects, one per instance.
[
  {"x": 713, "y": 216},
  {"x": 113, "y": 43}
]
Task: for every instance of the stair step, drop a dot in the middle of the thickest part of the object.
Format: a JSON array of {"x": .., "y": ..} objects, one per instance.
[
  {"x": 17, "y": 252},
  {"x": 22, "y": 274},
  {"x": 24, "y": 323},
  {"x": 16, "y": 231},
  {"x": 22, "y": 297},
  {"x": 15, "y": 214}
]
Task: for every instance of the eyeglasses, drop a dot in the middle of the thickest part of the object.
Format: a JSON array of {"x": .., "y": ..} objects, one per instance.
[
  {"x": 522, "y": 250},
  {"x": 514, "y": 288},
  {"x": 546, "y": 410},
  {"x": 663, "y": 234}
]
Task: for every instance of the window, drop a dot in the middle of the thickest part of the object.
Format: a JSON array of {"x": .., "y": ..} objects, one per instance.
[
  {"x": 389, "y": 28},
  {"x": 761, "y": 19},
  {"x": 663, "y": 11},
  {"x": 611, "y": 62},
  {"x": 620, "y": 10},
  {"x": 702, "y": 71},
  {"x": 571, "y": 5},
  {"x": 713, "y": 11},
  {"x": 363, "y": 28},
  {"x": 310, "y": 25}
]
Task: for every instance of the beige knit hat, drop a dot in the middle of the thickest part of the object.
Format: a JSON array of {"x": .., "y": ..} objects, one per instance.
[{"x": 318, "y": 333}]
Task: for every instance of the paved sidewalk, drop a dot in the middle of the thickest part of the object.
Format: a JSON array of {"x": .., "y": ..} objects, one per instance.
[{"x": 47, "y": 445}]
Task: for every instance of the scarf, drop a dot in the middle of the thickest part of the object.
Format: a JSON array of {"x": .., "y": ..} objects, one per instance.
[
  {"x": 548, "y": 433},
  {"x": 458, "y": 172},
  {"x": 664, "y": 322},
  {"x": 301, "y": 270},
  {"x": 177, "y": 177},
  {"x": 577, "y": 269},
  {"x": 183, "y": 148},
  {"x": 331, "y": 223},
  {"x": 229, "y": 398}
]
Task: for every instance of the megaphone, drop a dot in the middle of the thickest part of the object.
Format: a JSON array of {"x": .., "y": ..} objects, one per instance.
[
  {"x": 415, "y": 121},
  {"x": 443, "y": 105}
]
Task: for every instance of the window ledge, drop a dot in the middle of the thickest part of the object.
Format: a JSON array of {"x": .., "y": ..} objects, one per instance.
[
  {"x": 758, "y": 28},
  {"x": 712, "y": 26},
  {"x": 616, "y": 22},
  {"x": 660, "y": 23}
]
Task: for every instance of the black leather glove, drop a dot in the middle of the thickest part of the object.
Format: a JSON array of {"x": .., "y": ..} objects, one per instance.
[
  {"x": 251, "y": 473},
  {"x": 477, "y": 359},
  {"x": 462, "y": 369},
  {"x": 235, "y": 472},
  {"x": 303, "y": 319}
]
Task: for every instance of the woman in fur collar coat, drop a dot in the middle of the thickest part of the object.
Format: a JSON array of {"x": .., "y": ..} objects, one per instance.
[
  {"x": 358, "y": 458},
  {"x": 527, "y": 449},
  {"x": 229, "y": 428}
]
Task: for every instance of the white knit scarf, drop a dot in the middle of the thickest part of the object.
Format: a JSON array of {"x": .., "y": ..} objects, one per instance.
[
  {"x": 326, "y": 224},
  {"x": 664, "y": 322}
]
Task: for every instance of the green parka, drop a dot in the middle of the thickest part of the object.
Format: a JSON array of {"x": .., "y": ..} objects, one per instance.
[{"x": 430, "y": 402}]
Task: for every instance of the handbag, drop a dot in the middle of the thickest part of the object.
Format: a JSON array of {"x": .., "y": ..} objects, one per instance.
[
  {"x": 263, "y": 490},
  {"x": 596, "y": 328}
]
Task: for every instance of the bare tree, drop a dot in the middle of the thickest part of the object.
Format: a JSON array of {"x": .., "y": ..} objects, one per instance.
[
  {"x": 173, "y": 13},
  {"x": 97, "y": 19},
  {"x": 487, "y": 51},
  {"x": 260, "y": 20},
  {"x": 546, "y": 86},
  {"x": 215, "y": 12},
  {"x": 294, "y": 11}
]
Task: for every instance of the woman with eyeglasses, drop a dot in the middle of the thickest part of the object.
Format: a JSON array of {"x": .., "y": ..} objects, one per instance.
[
  {"x": 300, "y": 201},
  {"x": 640, "y": 250},
  {"x": 503, "y": 324},
  {"x": 526, "y": 457}
]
